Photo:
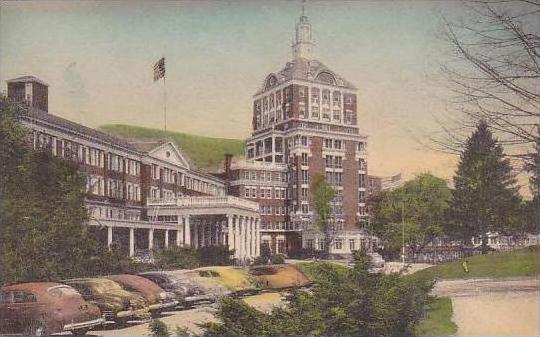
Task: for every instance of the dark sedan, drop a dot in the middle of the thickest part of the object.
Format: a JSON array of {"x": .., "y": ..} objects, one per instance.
[{"x": 186, "y": 294}]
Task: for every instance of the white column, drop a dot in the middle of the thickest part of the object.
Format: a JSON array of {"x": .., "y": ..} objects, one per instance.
[
  {"x": 230, "y": 233},
  {"x": 243, "y": 236},
  {"x": 179, "y": 230},
  {"x": 196, "y": 233},
  {"x": 150, "y": 239},
  {"x": 237, "y": 238},
  {"x": 257, "y": 238},
  {"x": 187, "y": 232},
  {"x": 131, "y": 241},
  {"x": 166, "y": 238},
  {"x": 251, "y": 237},
  {"x": 109, "y": 236}
]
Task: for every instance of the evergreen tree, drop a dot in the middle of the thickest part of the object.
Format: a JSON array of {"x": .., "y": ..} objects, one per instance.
[{"x": 485, "y": 197}]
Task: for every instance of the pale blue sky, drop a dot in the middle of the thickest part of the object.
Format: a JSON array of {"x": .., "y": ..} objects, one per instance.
[{"x": 97, "y": 58}]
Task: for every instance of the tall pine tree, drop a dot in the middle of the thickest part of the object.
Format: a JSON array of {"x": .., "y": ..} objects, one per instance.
[{"x": 485, "y": 196}]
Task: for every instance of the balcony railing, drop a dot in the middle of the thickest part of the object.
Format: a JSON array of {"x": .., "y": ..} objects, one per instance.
[{"x": 206, "y": 201}]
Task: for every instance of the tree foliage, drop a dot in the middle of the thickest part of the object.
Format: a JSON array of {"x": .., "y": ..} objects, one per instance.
[
  {"x": 43, "y": 220},
  {"x": 43, "y": 232},
  {"x": 350, "y": 302},
  {"x": 423, "y": 203},
  {"x": 218, "y": 255},
  {"x": 485, "y": 197},
  {"x": 322, "y": 194}
]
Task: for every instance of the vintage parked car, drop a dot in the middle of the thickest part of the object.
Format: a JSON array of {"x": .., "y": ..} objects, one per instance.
[
  {"x": 236, "y": 280},
  {"x": 187, "y": 294},
  {"x": 210, "y": 287},
  {"x": 116, "y": 304},
  {"x": 278, "y": 276},
  {"x": 156, "y": 298},
  {"x": 42, "y": 308}
]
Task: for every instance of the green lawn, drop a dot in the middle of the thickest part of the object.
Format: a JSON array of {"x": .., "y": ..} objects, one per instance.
[
  {"x": 205, "y": 152},
  {"x": 523, "y": 262},
  {"x": 438, "y": 320},
  {"x": 313, "y": 269}
]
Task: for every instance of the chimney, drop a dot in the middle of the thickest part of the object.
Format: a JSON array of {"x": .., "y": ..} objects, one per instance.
[
  {"x": 228, "y": 163},
  {"x": 29, "y": 90}
]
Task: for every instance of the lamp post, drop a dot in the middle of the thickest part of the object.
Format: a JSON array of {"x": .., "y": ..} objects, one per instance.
[{"x": 403, "y": 233}]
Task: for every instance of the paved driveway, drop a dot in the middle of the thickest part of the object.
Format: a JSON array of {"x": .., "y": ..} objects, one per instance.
[{"x": 494, "y": 307}]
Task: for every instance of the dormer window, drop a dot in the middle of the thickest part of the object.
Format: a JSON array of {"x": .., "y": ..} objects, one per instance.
[{"x": 326, "y": 77}]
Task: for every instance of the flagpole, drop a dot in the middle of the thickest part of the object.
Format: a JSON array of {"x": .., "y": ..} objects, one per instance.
[{"x": 164, "y": 103}]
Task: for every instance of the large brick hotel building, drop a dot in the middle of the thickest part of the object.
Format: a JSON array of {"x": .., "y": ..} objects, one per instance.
[
  {"x": 304, "y": 123},
  {"x": 144, "y": 194}
]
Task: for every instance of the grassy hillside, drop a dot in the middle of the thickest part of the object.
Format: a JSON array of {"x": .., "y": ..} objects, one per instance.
[
  {"x": 438, "y": 319},
  {"x": 205, "y": 152},
  {"x": 523, "y": 262}
]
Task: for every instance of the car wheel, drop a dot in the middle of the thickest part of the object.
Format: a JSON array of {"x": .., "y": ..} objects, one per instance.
[{"x": 35, "y": 328}]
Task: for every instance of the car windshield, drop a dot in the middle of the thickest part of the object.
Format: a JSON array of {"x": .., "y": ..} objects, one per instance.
[{"x": 62, "y": 291}]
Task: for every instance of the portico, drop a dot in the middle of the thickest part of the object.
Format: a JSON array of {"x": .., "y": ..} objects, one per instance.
[{"x": 206, "y": 220}]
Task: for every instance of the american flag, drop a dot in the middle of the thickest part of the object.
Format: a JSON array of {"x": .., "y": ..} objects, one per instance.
[{"x": 159, "y": 69}]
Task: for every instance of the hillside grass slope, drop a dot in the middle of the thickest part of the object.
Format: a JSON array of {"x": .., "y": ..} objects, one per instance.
[
  {"x": 206, "y": 153},
  {"x": 523, "y": 262}
]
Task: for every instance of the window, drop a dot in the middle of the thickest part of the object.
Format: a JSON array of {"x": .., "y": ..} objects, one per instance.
[
  {"x": 254, "y": 192},
  {"x": 328, "y": 143},
  {"x": 309, "y": 244},
  {"x": 361, "y": 196},
  {"x": 305, "y": 177},
  {"x": 305, "y": 208},
  {"x": 62, "y": 291},
  {"x": 337, "y": 144},
  {"x": 280, "y": 246},
  {"x": 303, "y": 140},
  {"x": 352, "y": 244},
  {"x": 329, "y": 161},
  {"x": 304, "y": 161},
  {"x": 305, "y": 194},
  {"x": 321, "y": 244},
  {"x": 337, "y": 162},
  {"x": 247, "y": 192},
  {"x": 302, "y": 111},
  {"x": 301, "y": 92},
  {"x": 362, "y": 180},
  {"x": 338, "y": 178},
  {"x": 339, "y": 244},
  {"x": 362, "y": 164},
  {"x": 315, "y": 112}
]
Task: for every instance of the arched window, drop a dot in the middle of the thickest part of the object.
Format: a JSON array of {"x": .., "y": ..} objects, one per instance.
[
  {"x": 270, "y": 82},
  {"x": 326, "y": 77}
]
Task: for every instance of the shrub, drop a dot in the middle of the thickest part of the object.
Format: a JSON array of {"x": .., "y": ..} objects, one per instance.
[
  {"x": 215, "y": 256},
  {"x": 277, "y": 259},
  {"x": 177, "y": 257},
  {"x": 158, "y": 329},
  {"x": 344, "y": 302},
  {"x": 181, "y": 331}
]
